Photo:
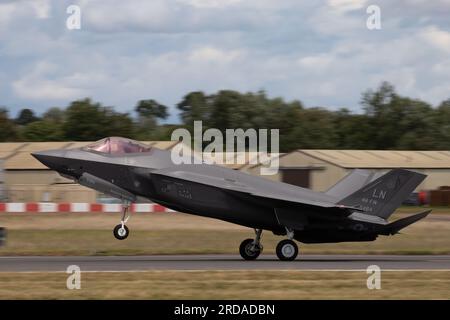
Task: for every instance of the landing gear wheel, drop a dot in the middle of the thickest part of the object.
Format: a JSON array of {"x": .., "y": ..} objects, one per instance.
[
  {"x": 248, "y": 250},
  {"x": 121, "y": 232},
  {"x": 287, "y": 250}
]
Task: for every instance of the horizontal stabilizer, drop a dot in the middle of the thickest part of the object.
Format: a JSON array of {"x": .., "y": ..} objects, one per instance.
[{"x": 396, "y": 226}]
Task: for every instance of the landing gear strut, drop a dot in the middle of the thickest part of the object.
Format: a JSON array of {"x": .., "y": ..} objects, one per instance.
[
  {"x": 250, "y": 249},
  {"x": 121, "y": 231},
  {"x": 287, "y": 250}
]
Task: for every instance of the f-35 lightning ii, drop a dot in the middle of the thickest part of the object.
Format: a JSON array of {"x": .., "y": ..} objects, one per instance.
[{"x": 354, "y": 209}]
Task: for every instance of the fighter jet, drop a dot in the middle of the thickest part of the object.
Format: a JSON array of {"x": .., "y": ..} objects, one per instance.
[{"x": 357, "y": 208}]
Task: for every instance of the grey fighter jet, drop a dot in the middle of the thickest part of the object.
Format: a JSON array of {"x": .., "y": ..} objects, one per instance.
[{"x": 355, "y": 209}]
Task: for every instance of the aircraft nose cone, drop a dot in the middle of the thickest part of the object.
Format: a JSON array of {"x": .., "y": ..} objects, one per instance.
[{"x": 49, "y": 158}]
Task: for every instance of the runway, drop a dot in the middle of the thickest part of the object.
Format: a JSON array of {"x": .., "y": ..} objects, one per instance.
[{"x": 222, "y": 262}]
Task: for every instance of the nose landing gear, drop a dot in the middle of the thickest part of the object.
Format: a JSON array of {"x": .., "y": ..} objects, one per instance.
[{"x": 121, "y": 231}]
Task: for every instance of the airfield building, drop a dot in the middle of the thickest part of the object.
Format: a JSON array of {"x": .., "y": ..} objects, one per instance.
[
  {"x": 24, "y": 179},
  {"x": 320, "y": 169}
]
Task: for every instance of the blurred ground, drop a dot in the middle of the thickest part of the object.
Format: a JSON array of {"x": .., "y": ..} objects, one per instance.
[
  {"x": 227, "y": 285},
  {"x": 175, "y": 233}
]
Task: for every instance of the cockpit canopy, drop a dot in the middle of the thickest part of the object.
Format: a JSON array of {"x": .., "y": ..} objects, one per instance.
[{"x": 117, "y": 145}]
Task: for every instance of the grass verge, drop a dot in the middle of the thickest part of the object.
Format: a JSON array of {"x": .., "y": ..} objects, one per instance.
[
  {"x": 91, "y": 234},
  {"x": 227, "y": 285}
]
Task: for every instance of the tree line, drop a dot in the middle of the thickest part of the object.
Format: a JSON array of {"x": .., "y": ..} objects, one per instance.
[{"x": 388, "y": 121}]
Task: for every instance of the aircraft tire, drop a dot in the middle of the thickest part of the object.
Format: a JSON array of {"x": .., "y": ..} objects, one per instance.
[
  {"x": 119, "y": 233},
  {"x": 287, "y": 250},
  {"x": 246, "y": 252}
]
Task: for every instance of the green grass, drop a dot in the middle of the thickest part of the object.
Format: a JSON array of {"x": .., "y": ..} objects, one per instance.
[
  {"x": 91, "y": 234},
  {"x": 227, "y": 285},
  {"x": 101, "y": 242},
  {"x": 414, "y": 209}
]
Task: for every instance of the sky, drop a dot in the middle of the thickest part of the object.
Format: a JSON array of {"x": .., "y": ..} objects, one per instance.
[{"x": 318, "y": 52}]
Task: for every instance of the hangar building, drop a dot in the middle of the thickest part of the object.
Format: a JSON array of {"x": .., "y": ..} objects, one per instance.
[
  {"x": 320, "y": 169},
  {"x": 24, "y": 179}
]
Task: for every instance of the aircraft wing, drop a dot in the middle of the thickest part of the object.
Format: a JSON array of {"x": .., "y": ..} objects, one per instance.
[
  {"x": 325, "y": 205},
  {"x": 264, "y": 190}
]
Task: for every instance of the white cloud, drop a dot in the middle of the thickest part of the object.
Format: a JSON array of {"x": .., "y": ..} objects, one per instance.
[
  {"x": 316, "y": 63},
  {"x": 45, "y": 90},
  {"x": 215, "y": 55},
  {"x": 6, "y": 11},
  {"x": 346, "y": 5},
  {"x": 440, "y": 39},
  {"x": 210, "y": 3},
  {"x": 116, "y": 15},
  {"x": 36, "y": 86},
  {"x": 322, "y": 53},
  {"x": 170, "y": 16},
  {"x": 41, "y": 8},
  {"x": 335, "y": 18}
]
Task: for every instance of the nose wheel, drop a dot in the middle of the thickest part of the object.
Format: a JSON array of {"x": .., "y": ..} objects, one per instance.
[{"x": 121, "y": 231}]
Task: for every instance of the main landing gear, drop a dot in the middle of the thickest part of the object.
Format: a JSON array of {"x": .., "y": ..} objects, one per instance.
[
  {"x": 251, "y": 249},
  {"x": 287, "y": 250},
  {"x": 121, "y": 231}
]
